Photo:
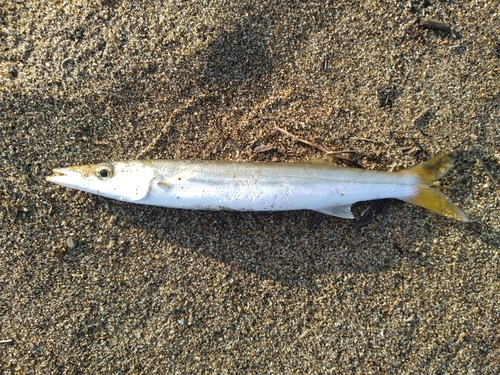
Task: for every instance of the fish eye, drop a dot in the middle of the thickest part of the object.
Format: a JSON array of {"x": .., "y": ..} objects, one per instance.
[{"x": 104, "y": 171}]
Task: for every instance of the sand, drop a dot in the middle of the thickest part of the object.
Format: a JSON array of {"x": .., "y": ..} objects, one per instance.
[{"x": 90, "y": 286}]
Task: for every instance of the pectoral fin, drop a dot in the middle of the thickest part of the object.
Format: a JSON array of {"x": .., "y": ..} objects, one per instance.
[
  {"x": 177, "y": 178},
  {"x": 339, "y": 211}
]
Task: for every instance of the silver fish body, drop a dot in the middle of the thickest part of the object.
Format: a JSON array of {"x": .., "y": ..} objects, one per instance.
[
  {"x": 255, "y": 186},
  {"x": 270, "y": 186}
]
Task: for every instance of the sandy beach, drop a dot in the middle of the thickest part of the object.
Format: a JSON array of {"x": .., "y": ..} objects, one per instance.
[{"x": 89, "y": 285}]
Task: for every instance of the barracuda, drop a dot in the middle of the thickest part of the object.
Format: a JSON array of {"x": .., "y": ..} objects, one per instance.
[{"x": 256, "y": 186}]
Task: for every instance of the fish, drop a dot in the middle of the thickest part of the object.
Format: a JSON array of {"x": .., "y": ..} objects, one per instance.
[{"x": 313, "y": 184}]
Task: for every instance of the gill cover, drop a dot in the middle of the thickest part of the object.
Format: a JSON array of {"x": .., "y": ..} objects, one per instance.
[{"x": 130, "y": 181}]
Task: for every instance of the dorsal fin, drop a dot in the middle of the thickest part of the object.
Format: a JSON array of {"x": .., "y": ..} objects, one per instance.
[{"x": 433, "y": 169}]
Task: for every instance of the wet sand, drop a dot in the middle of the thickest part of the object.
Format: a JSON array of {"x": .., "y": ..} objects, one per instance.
[{"x": 90, "y": 285}]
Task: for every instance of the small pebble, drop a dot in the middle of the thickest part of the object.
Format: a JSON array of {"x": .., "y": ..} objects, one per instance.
[{"x": 70, "y": 242}]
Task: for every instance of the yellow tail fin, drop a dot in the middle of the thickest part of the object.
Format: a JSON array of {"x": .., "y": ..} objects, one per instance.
[{"x": 429, "y": 198}]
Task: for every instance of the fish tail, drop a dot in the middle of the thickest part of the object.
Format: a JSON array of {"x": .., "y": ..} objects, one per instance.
[{"x": 426, "y": 197}]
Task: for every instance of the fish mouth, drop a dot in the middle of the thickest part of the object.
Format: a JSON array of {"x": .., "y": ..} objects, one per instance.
[
  {"x": 58, "y": 173},
  {"x": 65, "y": 177}
]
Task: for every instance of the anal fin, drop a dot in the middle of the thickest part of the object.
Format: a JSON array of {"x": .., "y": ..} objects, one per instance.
[{"x": 339, "y": 211}]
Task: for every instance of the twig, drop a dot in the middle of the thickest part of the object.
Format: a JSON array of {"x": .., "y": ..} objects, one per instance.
[
  {"x": 315, "y": 220},
  {"x": 341, "y": 152},
  {"x": 325, "y": 64},
  {"x": 422, "y": 114},
  {"x": 367, "y": 140},
  {"x": 66, "y": 61},
  {"x": 6, "y": 341},
  {"x": 321, "y": 148},
  {"x": 17, "y": 210},
  {"x": 235, "y": 145},
  {"x": 263, "y": 148},
  {"x": 7, "y": 192},
  {"x": 2, "y": 183},
  {"x": 484, "y": 166},
  {"x": 435, "y": 24},
  {"x": 327, "y": 153},
  {"x": 422, "y": 120},
  {"x": 366, "y": 219},
  {"x": 334, "y": 156}
]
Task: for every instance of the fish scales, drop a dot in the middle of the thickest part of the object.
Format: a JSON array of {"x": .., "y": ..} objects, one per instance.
[{"x": 269, "y": 186}]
